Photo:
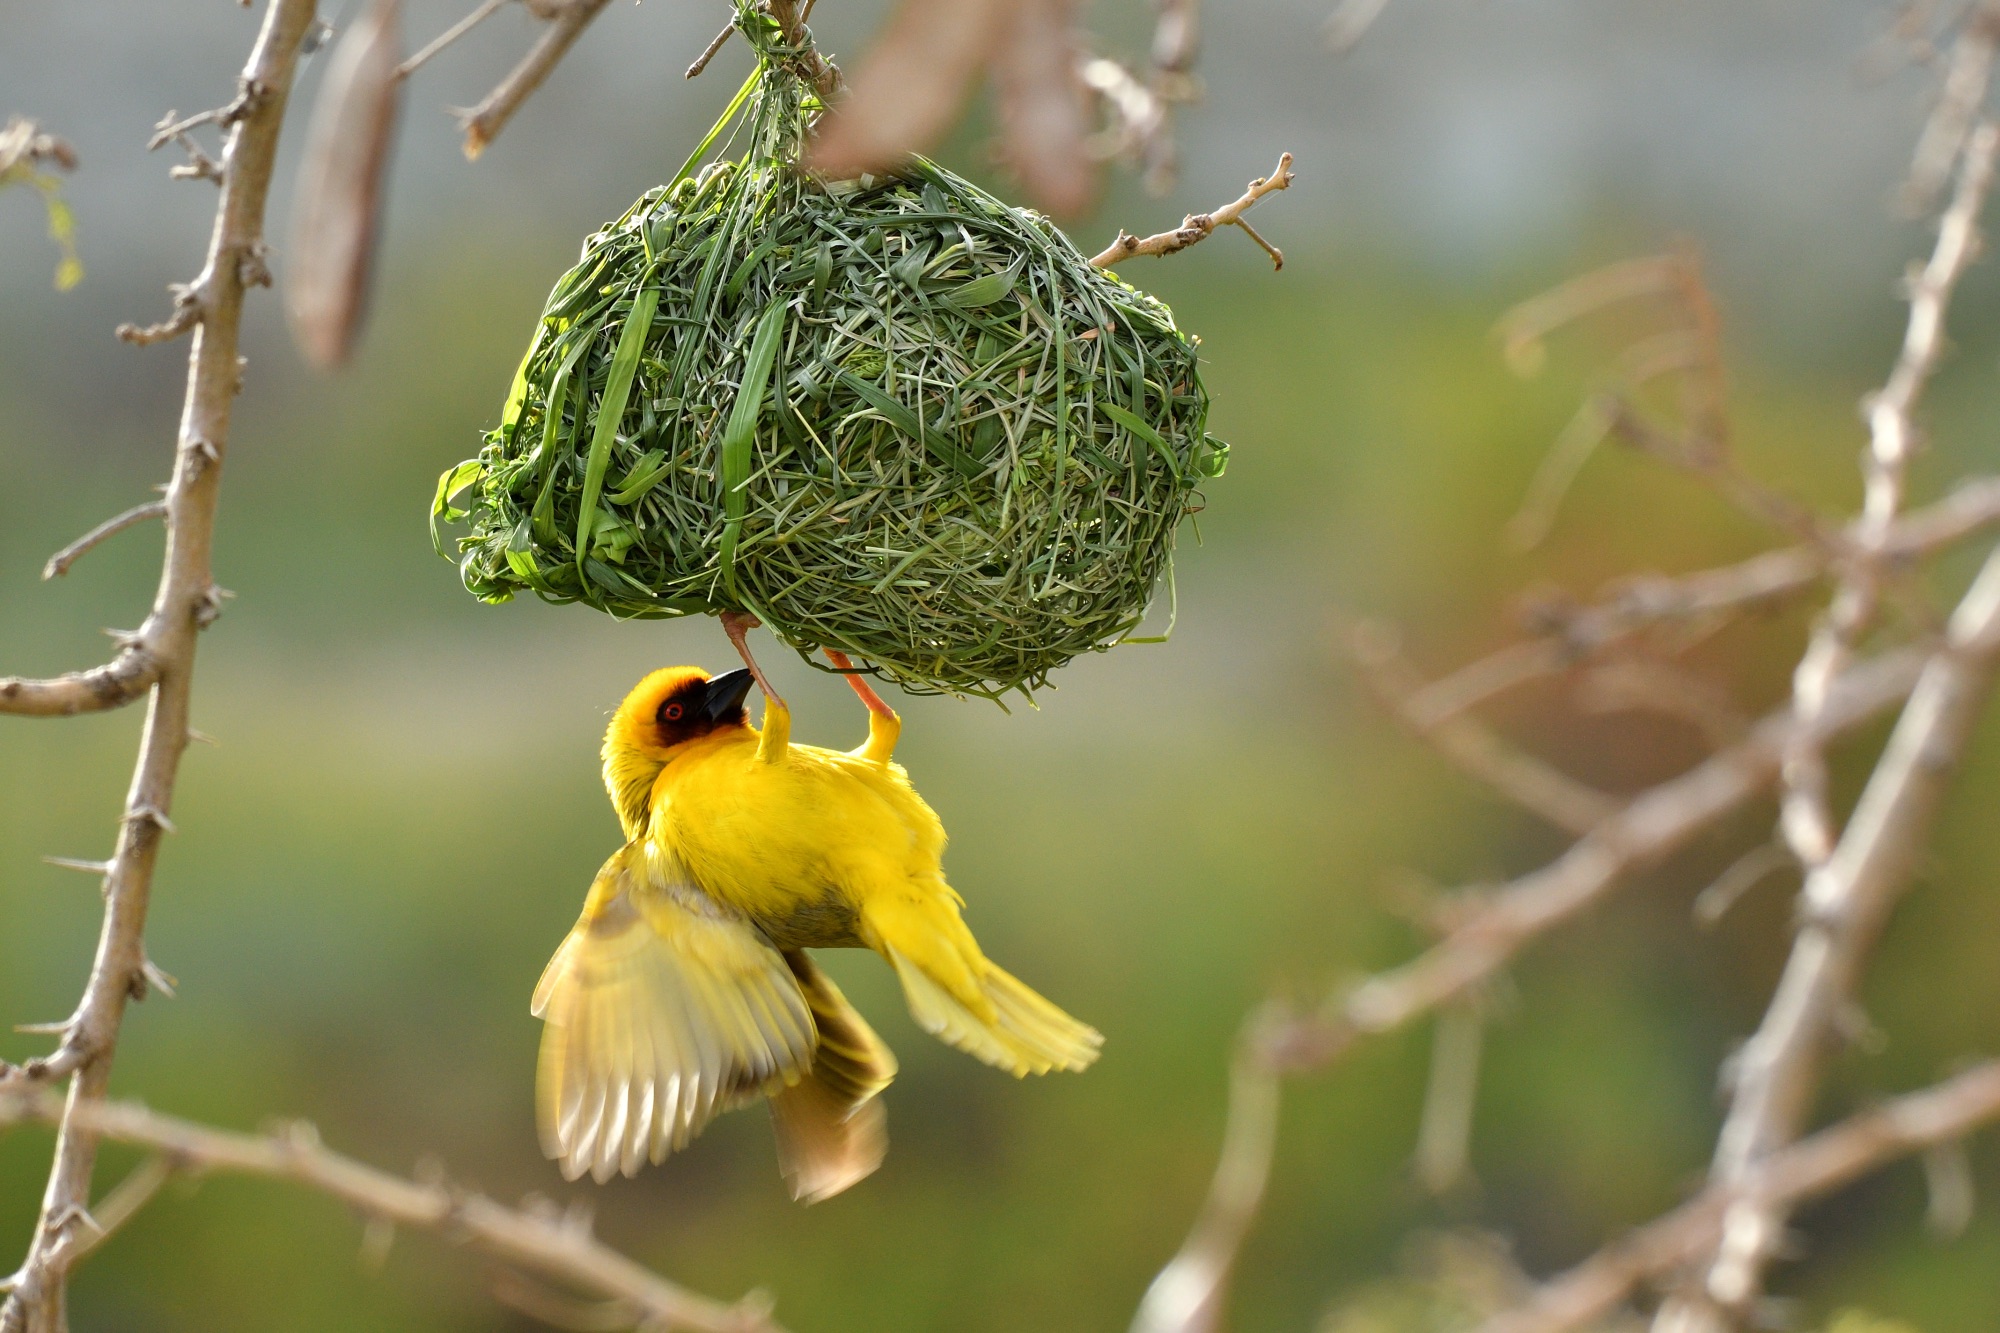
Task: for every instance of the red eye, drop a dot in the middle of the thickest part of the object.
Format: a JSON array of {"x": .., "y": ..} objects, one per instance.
[{"x": 671, "y": 713}]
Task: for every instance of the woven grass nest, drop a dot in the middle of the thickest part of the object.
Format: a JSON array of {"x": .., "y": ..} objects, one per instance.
[{"x": 894, "y": 417}]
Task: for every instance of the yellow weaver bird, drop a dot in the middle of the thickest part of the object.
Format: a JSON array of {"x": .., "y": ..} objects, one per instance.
[{"x": 684, "y": 990}]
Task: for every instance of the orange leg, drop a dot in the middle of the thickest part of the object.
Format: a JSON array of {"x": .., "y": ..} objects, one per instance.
[
  {"x": 736, "y": 624},
  {"x": 859, "y": 683}
]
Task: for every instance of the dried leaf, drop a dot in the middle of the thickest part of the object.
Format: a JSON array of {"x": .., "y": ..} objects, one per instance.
[
  {"x": 336, "y": 221},
  {"x": 1043, "y": 106},
  {"x": 909, "y": 88}
]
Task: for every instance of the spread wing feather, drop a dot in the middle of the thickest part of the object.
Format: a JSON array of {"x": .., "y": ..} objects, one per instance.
[{"x": 662, "y": 1010}]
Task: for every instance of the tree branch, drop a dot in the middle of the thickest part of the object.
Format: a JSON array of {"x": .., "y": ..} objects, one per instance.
[
  {"x": 1533, "y": 785},
  {"x": 60, "y": 562},
  {"x": 163, "y": 656},
  {"x": 1804, "y": 818},
  {"x": 118, "y": 682},
  {"x": 1571, "y": 633},
  {"x": 1828, "y": 1160},
  {"x": 482, "y": 124},
  {"x": 530, "y": 1238},
  {"x": 1200, "y": 226},
  {"x": 1498, "y": 926},
  {"x": 1845, "y": 902}
]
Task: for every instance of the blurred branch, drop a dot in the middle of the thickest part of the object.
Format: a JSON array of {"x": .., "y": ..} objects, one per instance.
[
  {"x": 486, "y": 10},
  {"x": 160, "y": 655},
  {"x": 1804, "y": 818},
  {"x": 1189, "y": 1294},
  {"x": 60, "y": 562},
  {"x": 1854, "y": 879},
  {"x": 1963, "y": 93},
  {"x": 1200, "y": 226},
  {"x": 483, "y": 123},
  {"x": 24, "y": 150},
  {"x": 1468, "y": 744},
  {"x": 1569, "y": 634},
  {"x": 1845, "y": 902},
  {"x": 1643, "y": 832},
  {"x": 1485, "y": 938},
  {"x": 24, "y": 144},
  {"x": 527, "y": 1237},
  {"x": 1818, "y": 1165}
]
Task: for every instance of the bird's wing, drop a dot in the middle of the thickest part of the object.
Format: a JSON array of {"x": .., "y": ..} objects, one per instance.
[
  {"x": 831, "y": 1128},
  {"x": 662, "y": 1009}
]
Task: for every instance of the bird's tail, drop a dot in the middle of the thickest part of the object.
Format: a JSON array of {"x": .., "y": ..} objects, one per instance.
[
  {"x": 958, "y": 995},
  {"x": 830, "y": 1126}
]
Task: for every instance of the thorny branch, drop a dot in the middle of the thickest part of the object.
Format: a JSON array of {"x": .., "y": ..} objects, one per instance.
[
  {"x": 1804, "y": 818},
  {"x": 483, "y": 123},
  {"x": 1844, "y": 904},
  {"x": 1491, "y": 928},
  {"x": 1830, "y": 1159},
  {"x": 1199, "y": 226},
  {"x": 534, "y": 1238},
  {"x": 160, "y": 656},
  {"x": 1853, "y": 880}
]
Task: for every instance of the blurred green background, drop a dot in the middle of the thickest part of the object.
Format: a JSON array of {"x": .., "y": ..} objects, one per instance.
[{"x": 403, "y": 810}]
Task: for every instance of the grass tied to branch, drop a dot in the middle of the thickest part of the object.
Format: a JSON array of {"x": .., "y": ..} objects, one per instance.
[{"x": 894, "y": 417}]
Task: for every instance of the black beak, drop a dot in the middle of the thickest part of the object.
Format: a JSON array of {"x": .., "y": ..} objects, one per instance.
[{"x": 725, "y": 694}]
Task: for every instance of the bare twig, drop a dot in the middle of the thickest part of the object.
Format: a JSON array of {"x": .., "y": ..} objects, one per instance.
[
  {"x": 1570, "y": 634},
  {"x": 161, "y": 654},
  {"x": 60, "y": 562},
  {"x": 1199, "y": 226},
  {"x": 709, "y": 52},
  {"x": 486, "y": 10},
  {"x": 1490, "y": 933},
  {"x": 1643, "y": 832},
  {"x": 1966, "y": 80},
  {"x": 1444, "y": 1127},
  {"x": 118, "y": 682},
  {"x": 123, "y": 1203},
  {"x": 1845, "y": 902},
  {"x": 1828, "y": 1160},
  {"x": 187, "y": 314},
  {"x": 23, "y": 142},
  {"x": 1188, "y": 1295},
  {"x": 529, "y": 1238},
  {"x": 483, "y": 123},
  {"x": 1804, "y": 817},
  {"x": 1475, "y": 750}
]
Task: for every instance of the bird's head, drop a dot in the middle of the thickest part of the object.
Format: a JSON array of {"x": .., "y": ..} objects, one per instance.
[{"x": 669, "y": 709}]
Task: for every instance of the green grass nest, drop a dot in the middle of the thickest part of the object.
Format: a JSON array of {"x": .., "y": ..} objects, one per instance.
[{"x": 894, "y": 417}]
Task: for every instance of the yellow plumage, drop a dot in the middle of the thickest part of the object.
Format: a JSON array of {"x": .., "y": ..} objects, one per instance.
[{"x": 684, "y": 989}]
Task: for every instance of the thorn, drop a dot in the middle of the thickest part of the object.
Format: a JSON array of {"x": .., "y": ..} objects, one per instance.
[
  {"x": 297, "y": 1136},
  {"x": 209, "y": 609},
  {"x": 126, "y": 638},
  {"x": 203, "y": 738},
  {"x": 75, "y": 863},
  {"x": 44, "y": 1029},
  {"x": 74, "y": 1212},
  {"x": 252, "y": 267},
  {"x": 159, "y": 979},
  {"x": 157, "y": 816}
]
